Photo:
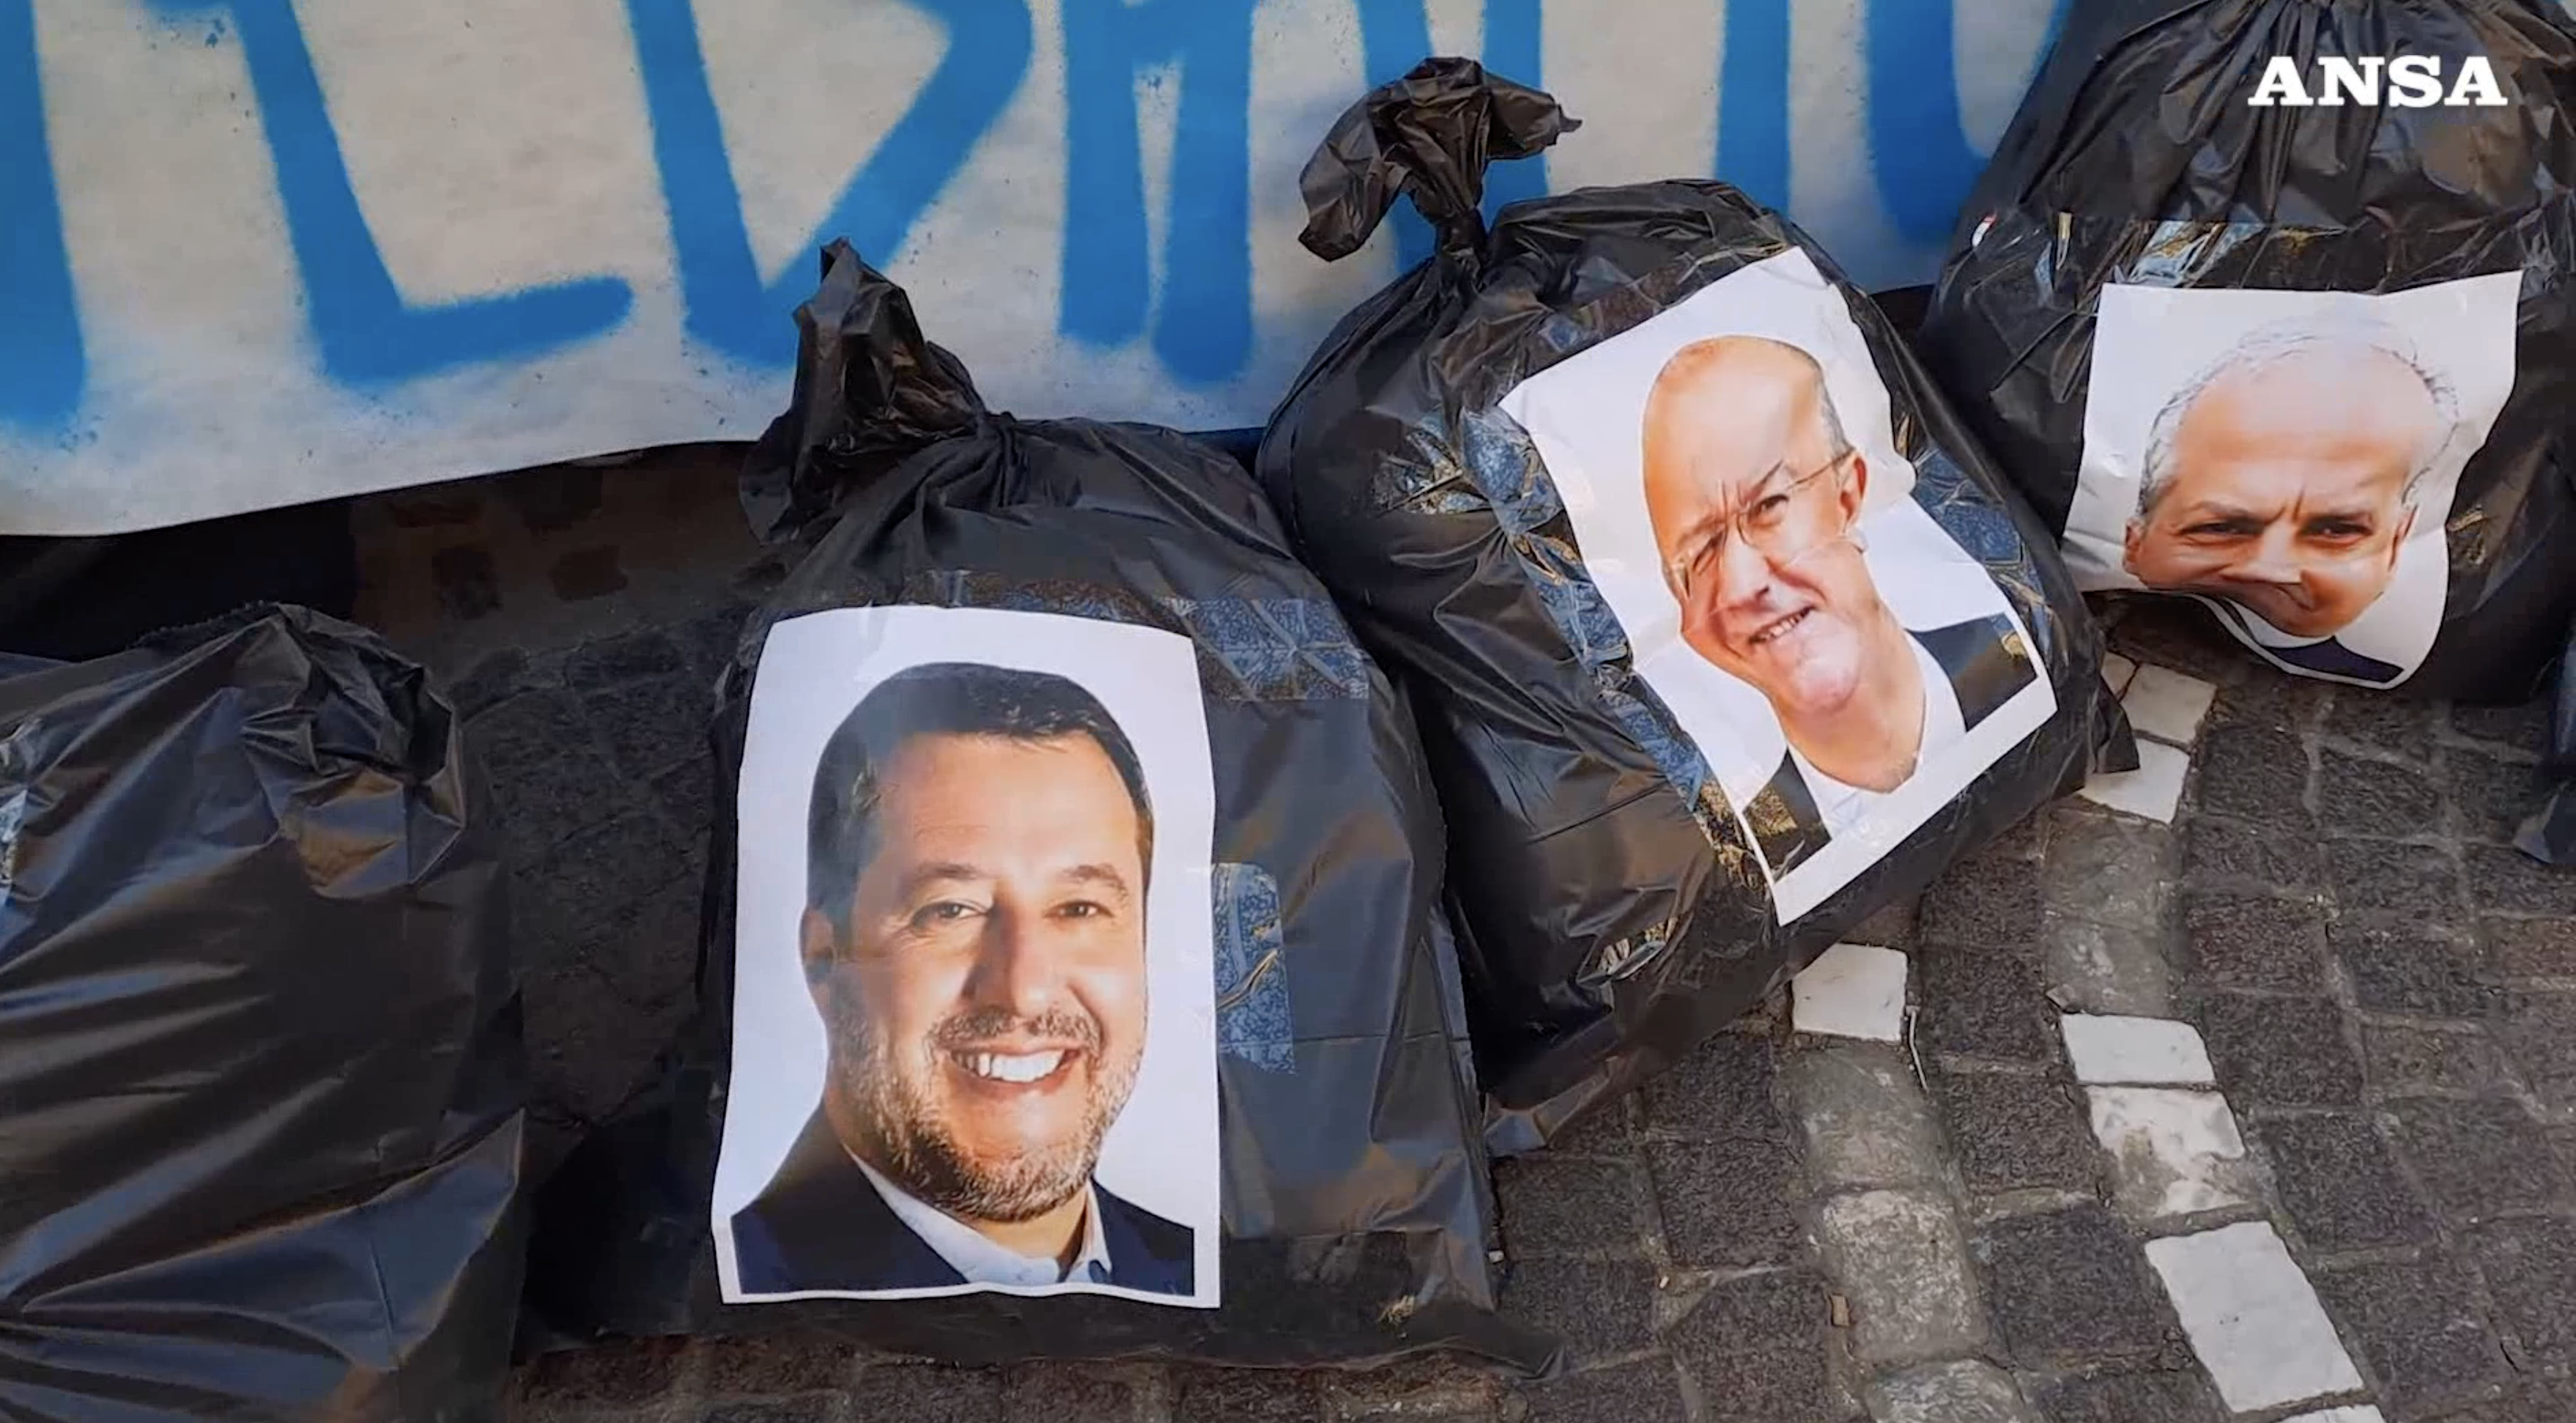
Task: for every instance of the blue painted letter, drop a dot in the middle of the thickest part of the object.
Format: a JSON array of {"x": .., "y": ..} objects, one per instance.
[
  {"x": 1753, "y": 100},
  {"x": 368, "y": 334},
  {"x": 42, "y": 367},
  {"x": 730, "y": 307},
  {"x": 1918, "y": 148},
  {"x": 1205, "y": 328}
]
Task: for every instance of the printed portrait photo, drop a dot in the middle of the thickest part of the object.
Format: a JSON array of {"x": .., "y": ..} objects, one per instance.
[
  {"x": 2289, "y": 459},
  {"x": 974, "y": 1022},
  {"x": 1842, "y": 665}
]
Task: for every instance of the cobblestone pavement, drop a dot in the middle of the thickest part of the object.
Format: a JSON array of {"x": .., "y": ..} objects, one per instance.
[{"x": 2313, "y": 1153}]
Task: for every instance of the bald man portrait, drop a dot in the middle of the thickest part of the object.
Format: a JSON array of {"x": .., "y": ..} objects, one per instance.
[
  {"x": 974, "y": 937},
  {"x": 1756, "y": 497},
  {"x": 2283, "y": 477}
]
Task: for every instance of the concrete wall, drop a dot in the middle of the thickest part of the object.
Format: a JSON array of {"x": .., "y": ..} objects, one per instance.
[{"x": 254, "y": 252}]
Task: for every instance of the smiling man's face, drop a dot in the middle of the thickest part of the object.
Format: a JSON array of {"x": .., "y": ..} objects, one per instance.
[
  {"x": 987, "y": 1004},
  {"x": 1752, "y": 506},
  {"x": 2287, "y": 489}
]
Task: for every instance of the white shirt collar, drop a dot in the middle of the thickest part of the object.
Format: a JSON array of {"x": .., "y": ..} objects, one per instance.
[
  {"x": 1842, "y": 807},
  {"x": 977, "y": 1259}
]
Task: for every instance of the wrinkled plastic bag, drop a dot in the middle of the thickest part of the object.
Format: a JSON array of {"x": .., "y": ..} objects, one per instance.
[
  {"x": 1634, "y": 852},
  {"x": 1296, "y": 1175},
  {"x": 261, "y": 1091},
  {"x": 2310, "y": 365}
]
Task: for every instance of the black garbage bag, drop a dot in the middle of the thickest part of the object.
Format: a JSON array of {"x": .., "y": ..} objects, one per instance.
[
  {"x": 1075, "y": 983},
  {"x": 2310, "y": 364},
  {"x": 261, "y": 1088},
  {"x": 1723, "y": 632}
]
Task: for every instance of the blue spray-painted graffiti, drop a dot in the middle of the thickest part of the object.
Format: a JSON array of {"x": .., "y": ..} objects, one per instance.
[
  {"x": 42, "y": 364},
  {"x": 369, "y": 337},
  {"x": 1199, "y": 319},
  {"x": 729, "y": 307}
]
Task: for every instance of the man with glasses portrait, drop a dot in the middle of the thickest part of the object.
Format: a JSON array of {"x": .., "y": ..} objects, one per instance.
[{"x": 1756, "y": 498}]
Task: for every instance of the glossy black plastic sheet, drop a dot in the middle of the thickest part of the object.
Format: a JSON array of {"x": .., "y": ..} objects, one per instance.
[
  {"x": 260, "y": 1080},
  {"x": 1356, "y": 1211},
  {"x": 1612, "y": 918},
  {"x": 2137, "y": 159}
]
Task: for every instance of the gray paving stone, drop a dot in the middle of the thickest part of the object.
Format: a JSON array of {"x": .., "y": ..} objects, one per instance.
[
  {"x": 1989, "y": 902},
  {"x": 2502, "y": 878},
  {"x": 651, "y": 727},
  {"x": 2341, "y": 1185},
  {"x": 1769, "y": 1386},
  {"x": 2374, "y": 798},
  {"x": 2068, "y": 1283},
  {"x": 2014, "y": 1132},
  {"x": 2252, "y": 771},
  {"x": 2137, "y": 1396},
  {"x": 2480, "y": 1158},
  {"x": 2173, "y": 1152},
  {"x": 2421, "y": 970},
  {"x": 621, "y": 1372},
  {"x": 574, "y": 892},
  {"x": 1728, "y": 1202},
  {"x": 1959, "y": 1391},
  {"x": 926, "y": 1393},
  {"x": 1861, "y": 1116},
  {"x": 2524, "y": 727},
  {"x": 1723, "y": 1090},
  {"x": 2171, "y": 633},
  {"x": 1646, "y": 1391},
  {"x": 686, "y": 793},
  {"x": 546, "y": 779},
  {"x": 2242, "y": 941},
  {"x": 1983, "y": 1005},
  {"x": 2529, "y": 1401},
  {"x": 2419, "y": 1329},
  {"x": 1066, "y": 1393},
  {"x": 607, "y": 663},
  {"x": 589, "y": 1049},
  {"x": 2488, "y": 796},
  {"x": 2413, "y": 883},
  {"x": 2530, "y": 1271},
  {"x": 648, "y": 952},
  {"x": 2108, "y": 869},
  {"x": 490, "y": 681},
  {"x": 2538, "y": 1033},
  {"x": 1556, "y": 1207},
  {"x": 2391, "y": 726},
  {"x": 2530, "y": 948},
  {"x": 1596, "y": 1307},
  {"x": 1242, "y": 1396},
  {"x": 1898, "y": 1258},
  {"x": 1775, "y": 1309},
  {"x": 2220, "y": 851},
  {"x": 2403, "y": 1061},
  {"x": 761, "y": 1368},
  {"x": 2254, "y": 1321},
  {"x": 811, "y": 1409},
  {"x": 2103, "y": 968},
  {"x": 2280, "y": 1052}
]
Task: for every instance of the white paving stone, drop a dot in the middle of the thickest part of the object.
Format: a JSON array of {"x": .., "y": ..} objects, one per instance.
[
  {"x": 1852, "y": 991},
  {"x": 2167, "y": 705},
  {"x": 2360, "y": 1413},
  {"x": 2152, "y": 790},
  {"x": 2173, "y": 1152},
  {"x": 2253, "y": 1318},
  {"x": 2117, "y": 671},
  {"x": 2136, "y": 1051}
]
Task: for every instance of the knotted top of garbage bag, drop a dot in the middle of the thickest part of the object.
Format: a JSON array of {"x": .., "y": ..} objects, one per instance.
[
  {"x": 899, "y": 394},
  {"x": 1428, "y": 136}
]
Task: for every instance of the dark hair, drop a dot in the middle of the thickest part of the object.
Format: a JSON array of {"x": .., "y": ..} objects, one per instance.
[{"x": 940, "y": 699}]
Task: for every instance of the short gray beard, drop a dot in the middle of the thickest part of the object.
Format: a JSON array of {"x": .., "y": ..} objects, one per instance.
[{"x": 918, "y": 1153}]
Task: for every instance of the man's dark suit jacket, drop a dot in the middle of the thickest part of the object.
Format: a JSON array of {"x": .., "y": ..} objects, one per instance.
[
  {"x": 1987, "y": 666},
  {"x": 820, "y": 1225},
  {"x": 2336, "y": 660}
]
